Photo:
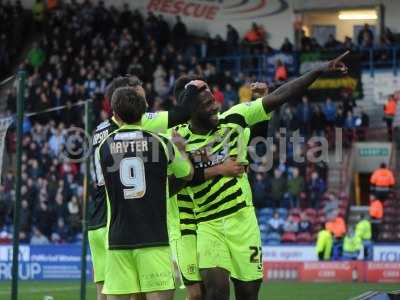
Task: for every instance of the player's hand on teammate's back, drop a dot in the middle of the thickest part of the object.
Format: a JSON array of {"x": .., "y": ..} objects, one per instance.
[
  {"x": 258, "y": 89},
  {"x": 232, "y": 168}
]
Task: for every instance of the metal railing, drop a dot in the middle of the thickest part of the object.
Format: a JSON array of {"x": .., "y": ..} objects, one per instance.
[{"x": 260, "y": 65}]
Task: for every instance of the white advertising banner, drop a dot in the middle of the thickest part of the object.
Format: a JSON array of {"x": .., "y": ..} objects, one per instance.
[
  {"x": 289, "y": 253},
  {"x": 388, "y": 253}
]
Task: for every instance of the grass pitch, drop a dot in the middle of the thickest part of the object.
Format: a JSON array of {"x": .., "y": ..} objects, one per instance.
[{"x": 69, "y": 290}]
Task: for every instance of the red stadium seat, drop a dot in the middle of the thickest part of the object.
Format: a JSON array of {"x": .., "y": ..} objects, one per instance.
[
  {"x": 311, "y": 212},
  {"x": 289, "y": 237},
  {"x": 295, "y": 211},
  {"x": 304, "y": 237}
]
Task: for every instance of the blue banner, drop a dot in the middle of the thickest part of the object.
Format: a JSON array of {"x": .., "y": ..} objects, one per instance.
[{"x": 44, "y": 262}]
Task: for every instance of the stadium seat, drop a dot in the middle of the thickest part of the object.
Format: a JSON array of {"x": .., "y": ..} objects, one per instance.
[
  {"x": 283, "y": 213},
  {"x": 389, "y": 211},
  {"x": 386, "y": 237},
  {"x": 265, "y": 212},
  {"x": 272, "y": 238},
  {"x": 321, "y": 212},
  {"x": 304, "y": 237},
  {"x": 295, "y": 211},
  {"x": 387, "y": 227},
  {"x": 311, "y": 212},
  {"x": 289, "y": 237},
  {"x": 388, "y": 203},
  {"x": 321, "y": 219}
]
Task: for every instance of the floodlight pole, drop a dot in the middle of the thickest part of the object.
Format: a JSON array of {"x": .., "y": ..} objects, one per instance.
[{"x": 21, "y": 85}]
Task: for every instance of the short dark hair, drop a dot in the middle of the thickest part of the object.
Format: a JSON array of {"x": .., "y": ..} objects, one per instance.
[
  {"x": 121, "y": 81},
  {"x": 128, "y": 104},
  {"x": 180, "y": 84},
  {"x": 383, "y": 165}
]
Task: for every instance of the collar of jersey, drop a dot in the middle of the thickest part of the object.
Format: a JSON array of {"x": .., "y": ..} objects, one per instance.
[
  {"x": 130, "y": 126},
  {"x": 206, "y": 134}
]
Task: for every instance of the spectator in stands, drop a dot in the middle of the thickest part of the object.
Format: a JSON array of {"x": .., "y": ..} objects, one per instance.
[
  {"x": 230, "y": 96},
  {"x": 305, "y": 225},
  {"x": 382, "y": 180},
  {"x": 348, "y": 101},
  {"x": 38, "y": 238},
  {"x": 260, "y": 189},
  {"x": 364, "y": 232},
  {"x": 278, "y": 187},
  {"x": 332, "y": 43},
  {"x": 36, "y": 56},
  {"x": 245, "y": 92},
  {"x": 39, "y": 10},
  {"x": 275, "y": 224},
  {"x": 389, "y": 115},
  {"x": 291, "y": 224},
  {"x": 315, "y": 189},
  {"x": 350, "y": 128},
  {"x": 295, "y": 187},
  {"x": 255, "y": 36},
  {"x": 232, "y": 38},
  {"x": 60, "y": 232},
  {"x": 318, "y": 121},
  {"x": 329, "y": 110},
  {"x": 324, "y": 244},
  {"x": 365, "y": 37},
  {"x": 43, "y": 218},
  {"x": 287, "y": 46},
  {"x": 376, "y": 214},
  {"x": 288, "y": 119},
  {"x": 352, "y": 245},
  {"x": 25, "y": 215},
  {"x": 218, "y": 95},
  {"x": 348, "y": 44},
  {"x": 281, "y": 73},
  {"x": 337, "y": 227},
  {"x": 339, "y": 122},
  {"x": 179, "y": 33},
  {"x": 304, "y": 115},
  {"x": 331, "y": 205},
  {"x": 362, "y": 129}
]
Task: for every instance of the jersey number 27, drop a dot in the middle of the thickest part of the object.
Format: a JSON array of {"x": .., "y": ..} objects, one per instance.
[{"x": 132, "y": 175}]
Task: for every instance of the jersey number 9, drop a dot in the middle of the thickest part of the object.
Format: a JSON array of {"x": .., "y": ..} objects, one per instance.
[{"x": 132, "y": 175}]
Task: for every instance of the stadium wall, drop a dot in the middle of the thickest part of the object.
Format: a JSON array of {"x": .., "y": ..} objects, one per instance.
[{"x": 277, "y": 16}]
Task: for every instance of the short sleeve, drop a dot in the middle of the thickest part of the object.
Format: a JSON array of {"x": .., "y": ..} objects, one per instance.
[
  {"x": 155, "y": 122},
  {"x": 247, "y": 114},
  {"x": 179, "y": 166}
]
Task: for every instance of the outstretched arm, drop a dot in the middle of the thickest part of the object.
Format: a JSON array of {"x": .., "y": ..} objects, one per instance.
[{"x": 291, "y": 90}]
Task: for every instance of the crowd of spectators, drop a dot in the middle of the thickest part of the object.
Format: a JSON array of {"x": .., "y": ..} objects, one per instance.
[
  {"x": 15, "y": 23},
  {"x": 83, "y": 46}
]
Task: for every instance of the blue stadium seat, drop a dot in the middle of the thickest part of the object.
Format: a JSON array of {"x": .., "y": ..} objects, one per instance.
[
  {"x": 283, "y": 213},
  {"x": 265, "y": 212},
  {"x": 272, "y": 238}
]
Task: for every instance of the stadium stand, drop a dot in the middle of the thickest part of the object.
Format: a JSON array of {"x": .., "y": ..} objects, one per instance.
[{"x": 82, "y": 46}]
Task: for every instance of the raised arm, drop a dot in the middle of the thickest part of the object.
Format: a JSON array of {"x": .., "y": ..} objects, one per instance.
[
  {"x": 291, "y": 90},
  {"x": 187, "y": 104}
]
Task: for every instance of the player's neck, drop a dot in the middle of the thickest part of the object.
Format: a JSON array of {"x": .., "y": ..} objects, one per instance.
[{"x": 198, "y": 127}]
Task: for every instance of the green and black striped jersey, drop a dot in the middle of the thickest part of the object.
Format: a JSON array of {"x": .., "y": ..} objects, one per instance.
[{"x": 220, "y": 196}]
